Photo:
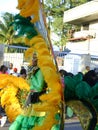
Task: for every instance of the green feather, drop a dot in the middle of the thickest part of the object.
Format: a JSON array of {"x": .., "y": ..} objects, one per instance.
[
  {"x": 24, "y": 27},
  {"x": 70, "y": 85},
  {"x": 82, "y": 90}
]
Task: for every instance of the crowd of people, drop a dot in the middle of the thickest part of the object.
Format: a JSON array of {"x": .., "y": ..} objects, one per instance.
[
  {"x": 12, "y": 71},
  {"x": 89, "y": 76}
]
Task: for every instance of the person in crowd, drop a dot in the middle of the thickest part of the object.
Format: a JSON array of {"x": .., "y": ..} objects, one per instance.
[
  {"x": 3, "y": 117},
  {"x": 62, "y": 73},
  {"x": 15, "y": 72},
  {"x": 35, "y": 79},
  {"x": 87, "y": 68},
  {"x": 91, "y": 78},
  {"x": 3, "y": 69},
  {"x": 22, "y": 67},
  {"x": 96, "y": 71},
  {"x": 10, "y": 69},
  {"x": 23, "y": 73}
]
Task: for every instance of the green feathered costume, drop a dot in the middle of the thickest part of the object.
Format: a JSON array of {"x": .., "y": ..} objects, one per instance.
[
  {"x": 83, "y": 99},
  {"x": 29, "y": 119}
]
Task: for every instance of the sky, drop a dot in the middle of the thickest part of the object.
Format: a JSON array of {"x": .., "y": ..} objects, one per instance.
[{"x": 8, "y": 6}]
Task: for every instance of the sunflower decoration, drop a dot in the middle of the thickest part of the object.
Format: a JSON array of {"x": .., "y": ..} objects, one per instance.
[{"x": 9, "y": 89}]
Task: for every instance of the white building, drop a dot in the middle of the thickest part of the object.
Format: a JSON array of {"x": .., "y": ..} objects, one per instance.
[{"x": 84, "y": 43}]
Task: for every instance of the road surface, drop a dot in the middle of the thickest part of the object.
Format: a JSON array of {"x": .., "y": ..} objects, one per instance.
[
  {"x": 73, "y": 126},
  {"x": 68, "y": 126}
]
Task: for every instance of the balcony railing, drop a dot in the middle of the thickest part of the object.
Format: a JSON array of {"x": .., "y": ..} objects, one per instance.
[{"x": 83, "y": 35}]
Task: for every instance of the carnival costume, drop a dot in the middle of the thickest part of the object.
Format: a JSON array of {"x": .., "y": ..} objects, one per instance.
[
  {"x": 46, "y": 112},
  {"x": 30, "y": 118}
]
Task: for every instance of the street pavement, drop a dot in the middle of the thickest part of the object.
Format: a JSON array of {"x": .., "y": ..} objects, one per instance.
[
  {"x": 70, "y": 124},
  {"x": 6, "y": 127},
  {"x": 73, "y": 126}
]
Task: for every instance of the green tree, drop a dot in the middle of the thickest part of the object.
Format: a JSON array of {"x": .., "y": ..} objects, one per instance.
[
  {"x": 54, "y": 11},
  {"x": 74, "y": 3},
  {"x": 7, "y": 33}
]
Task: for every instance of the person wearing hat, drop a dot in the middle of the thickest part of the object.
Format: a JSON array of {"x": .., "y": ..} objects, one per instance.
[
  {"x": 15, "y": 73},
  {"x": 36, "y": 80}
]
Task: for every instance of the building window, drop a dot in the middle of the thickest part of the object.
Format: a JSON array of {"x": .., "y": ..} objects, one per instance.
[{"x": 86, "y": 27}]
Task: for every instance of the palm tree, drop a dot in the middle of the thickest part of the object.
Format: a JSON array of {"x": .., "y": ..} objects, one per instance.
[{"x": 7, "y": 32}]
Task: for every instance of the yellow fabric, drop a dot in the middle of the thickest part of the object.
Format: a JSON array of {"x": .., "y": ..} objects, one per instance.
[
  {"x": 30, "y": 111},
  {"x": 50, "y": 102},
  {"x": 9, "y": 86},
  {"x": 29, "y": 8}
]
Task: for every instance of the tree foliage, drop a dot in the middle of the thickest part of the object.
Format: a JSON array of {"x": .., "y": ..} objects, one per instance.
[
  {"x": 54, "y": 11},
  {"x": 7, "y": 32}
]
